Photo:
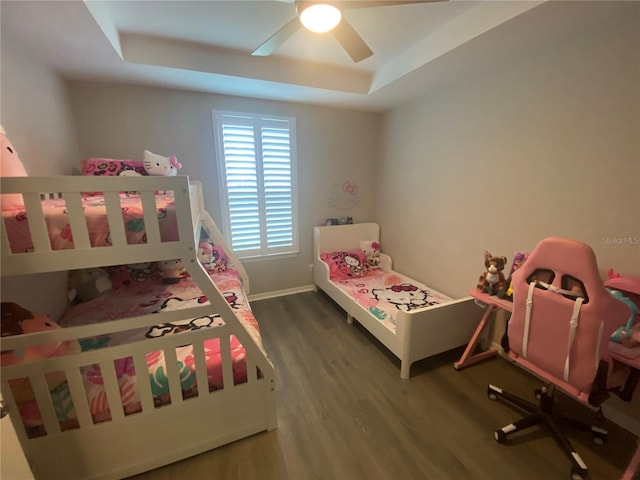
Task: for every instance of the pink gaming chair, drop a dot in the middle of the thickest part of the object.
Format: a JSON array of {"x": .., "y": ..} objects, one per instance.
[{"x": 559, "y": 331}]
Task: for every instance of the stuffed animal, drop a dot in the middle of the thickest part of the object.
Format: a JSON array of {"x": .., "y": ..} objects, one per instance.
[
  {"x": 492, "y": 281},
  {"x": 171, "y": 271},
  {"x": 212, "y": 258},
  {"x": 88, "y": 283},
  {"x": 518, "y": 261},
  {"x": 17, "y": 320},
  {"x": 371, "y": 250},
  {"x": 10, "y": 166},
  {"x": 155, "y": 164}
]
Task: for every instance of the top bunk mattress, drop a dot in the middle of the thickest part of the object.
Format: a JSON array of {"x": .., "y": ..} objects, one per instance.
[
  {"x": 384, "y": 294},
  {"x": 94, "y": 208}
]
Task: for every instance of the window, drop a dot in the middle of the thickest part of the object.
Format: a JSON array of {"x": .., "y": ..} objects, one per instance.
[{"x": 257, "y": 175}]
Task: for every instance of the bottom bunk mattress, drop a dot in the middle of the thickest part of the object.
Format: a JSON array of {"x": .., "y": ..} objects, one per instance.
[
  {"x": 140, "y": 299},
  {"x": 384, "y": 294}
]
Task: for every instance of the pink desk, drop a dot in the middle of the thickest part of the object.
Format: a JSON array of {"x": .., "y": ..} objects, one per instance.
[{"x": 493, "y": 303}]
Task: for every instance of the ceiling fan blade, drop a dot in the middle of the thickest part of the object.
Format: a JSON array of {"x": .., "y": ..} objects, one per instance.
[
  {"x": 277, "y": 39},
  {"x": 351, "y": 41},
  {"x": 381, "y": 3}
]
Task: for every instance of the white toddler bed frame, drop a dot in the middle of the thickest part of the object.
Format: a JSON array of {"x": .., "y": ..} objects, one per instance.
[
  {"x": 135, "y": 443},
  {"x": 419, "y": 333}
]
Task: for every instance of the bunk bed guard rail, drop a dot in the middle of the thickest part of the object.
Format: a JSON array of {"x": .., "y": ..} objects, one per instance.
[{"x": 83, "y": 255}]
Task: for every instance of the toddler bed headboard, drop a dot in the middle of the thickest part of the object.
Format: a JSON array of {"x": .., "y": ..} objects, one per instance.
[{"x": 344, "y": 237}]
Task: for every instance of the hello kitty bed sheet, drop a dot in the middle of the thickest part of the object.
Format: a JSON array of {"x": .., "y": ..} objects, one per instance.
[
  {"x": 384, "y": 294},
  {"x": 139, "y": 300},
  {"x": 55, "y": 213}
]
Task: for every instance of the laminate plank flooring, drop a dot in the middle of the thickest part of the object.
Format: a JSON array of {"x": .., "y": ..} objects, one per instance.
[{"x": 344, "y": 413}]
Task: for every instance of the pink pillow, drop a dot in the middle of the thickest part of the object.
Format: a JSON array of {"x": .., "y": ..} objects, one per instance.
[
  {"x": 343, "y": 265},
  {"x": 10, "y": 166},
  {"x": 111, "y": 167}
]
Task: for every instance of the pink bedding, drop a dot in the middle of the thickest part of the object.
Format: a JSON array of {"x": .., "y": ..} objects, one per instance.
[
  {"x": 138, "y": 300},
  {"x": 383, "y": 294},
  {"x": 55, "y": 212}
]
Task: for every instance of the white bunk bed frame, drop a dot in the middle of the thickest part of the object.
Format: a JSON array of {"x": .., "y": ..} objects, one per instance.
[
  {"x": 154, "y": 437},
  {"x": 419, "y": 333}
]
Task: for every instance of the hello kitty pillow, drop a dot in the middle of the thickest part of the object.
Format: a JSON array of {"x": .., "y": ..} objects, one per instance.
[
  {"x": 345, "y": 265},
  {"x": 10, "y": 166}
]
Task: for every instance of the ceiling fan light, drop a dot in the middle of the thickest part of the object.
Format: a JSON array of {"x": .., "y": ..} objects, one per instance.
[{"x": 320, "y": 17}]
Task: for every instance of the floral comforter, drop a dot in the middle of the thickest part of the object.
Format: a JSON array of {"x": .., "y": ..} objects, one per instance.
[
  {"x": 139, "y": 300},
  {"x": 384, "y": 294},
  {"x": 55, "y": 213}
]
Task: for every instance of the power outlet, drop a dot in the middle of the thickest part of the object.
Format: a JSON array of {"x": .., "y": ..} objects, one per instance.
[{"x": 311, "y": 267}]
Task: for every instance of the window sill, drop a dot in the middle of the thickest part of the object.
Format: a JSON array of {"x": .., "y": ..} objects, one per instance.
[{"x": 266, "y": 258}]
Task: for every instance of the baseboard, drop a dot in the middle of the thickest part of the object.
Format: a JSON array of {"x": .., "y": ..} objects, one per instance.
[{"x": 281, "y": 293}]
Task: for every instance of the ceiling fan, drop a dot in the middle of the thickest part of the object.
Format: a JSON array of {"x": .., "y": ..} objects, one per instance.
[{"x": 326, "y": 17}]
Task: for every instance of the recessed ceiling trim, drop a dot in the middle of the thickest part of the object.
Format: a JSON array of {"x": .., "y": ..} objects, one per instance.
[
  {"x": 164, "y": 52},
  {"x": 100, "y": 14},
  {"x": 469, "y": 25}
]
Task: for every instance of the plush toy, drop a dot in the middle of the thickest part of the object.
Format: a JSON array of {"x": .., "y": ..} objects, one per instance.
[
  {"x": 16, "y": 321},
  {"x": 492, "y": 281},
  {"x": 171, "y": 271},
  {"x": 518, "y": 259},
  {"x": 155, "y": 164},
  {"x": 88, "y": 283},
  {"x": 10, "y": 166},
  {"x": 206, "y": 255},
  {"x": 371, "y": 251},
  {"x": 212, "y": 258}
]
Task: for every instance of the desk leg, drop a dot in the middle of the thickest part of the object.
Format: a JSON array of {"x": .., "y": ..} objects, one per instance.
[{"x": 467, "y": 357}]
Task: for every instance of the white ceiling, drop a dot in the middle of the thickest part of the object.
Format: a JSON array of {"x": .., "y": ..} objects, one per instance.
[{"x": 207, "y": 45}]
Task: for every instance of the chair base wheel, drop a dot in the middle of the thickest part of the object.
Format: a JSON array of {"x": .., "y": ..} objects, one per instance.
[
  {"x": 500, "y": 436},
  {"x": 578, "y": 473}
]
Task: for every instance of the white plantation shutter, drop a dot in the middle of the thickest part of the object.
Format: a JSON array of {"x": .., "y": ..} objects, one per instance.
[{"x": 256, "y": 165}]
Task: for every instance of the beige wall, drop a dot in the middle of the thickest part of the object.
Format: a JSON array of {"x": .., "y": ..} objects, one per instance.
[
  {"x": 537, "y": 145},
  {"x": 120, "y": 121},
  {"x": 37, "y": 117}
]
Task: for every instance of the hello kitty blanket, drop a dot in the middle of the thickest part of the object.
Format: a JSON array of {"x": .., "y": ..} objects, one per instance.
[
  {"x": 55, "y": 213},
  {"x": 384, "y": 294},
  {"x": 140, "y": 299}
]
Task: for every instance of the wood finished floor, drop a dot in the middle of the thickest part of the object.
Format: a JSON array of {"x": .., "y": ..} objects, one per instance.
[{"x": 344, "y": 413}]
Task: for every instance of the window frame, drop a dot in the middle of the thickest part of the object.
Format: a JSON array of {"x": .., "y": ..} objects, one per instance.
[{"x": 257, "y": 121}]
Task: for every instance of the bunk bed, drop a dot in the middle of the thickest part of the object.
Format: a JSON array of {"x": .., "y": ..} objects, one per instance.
[
  {"x": 410, "y": 319},
  {"x": 224, "y": 407}
]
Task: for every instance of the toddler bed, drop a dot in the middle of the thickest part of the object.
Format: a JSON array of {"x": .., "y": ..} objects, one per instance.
[
  {"x": 412, "y": 320},
  {"x": 196, "y": 345}
]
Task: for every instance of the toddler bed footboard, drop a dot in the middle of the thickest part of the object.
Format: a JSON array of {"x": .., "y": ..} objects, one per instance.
[{"x": 417, "y": 331}]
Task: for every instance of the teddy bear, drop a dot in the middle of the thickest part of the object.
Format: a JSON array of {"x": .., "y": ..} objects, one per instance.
[{"x": 492, "y": 281}]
